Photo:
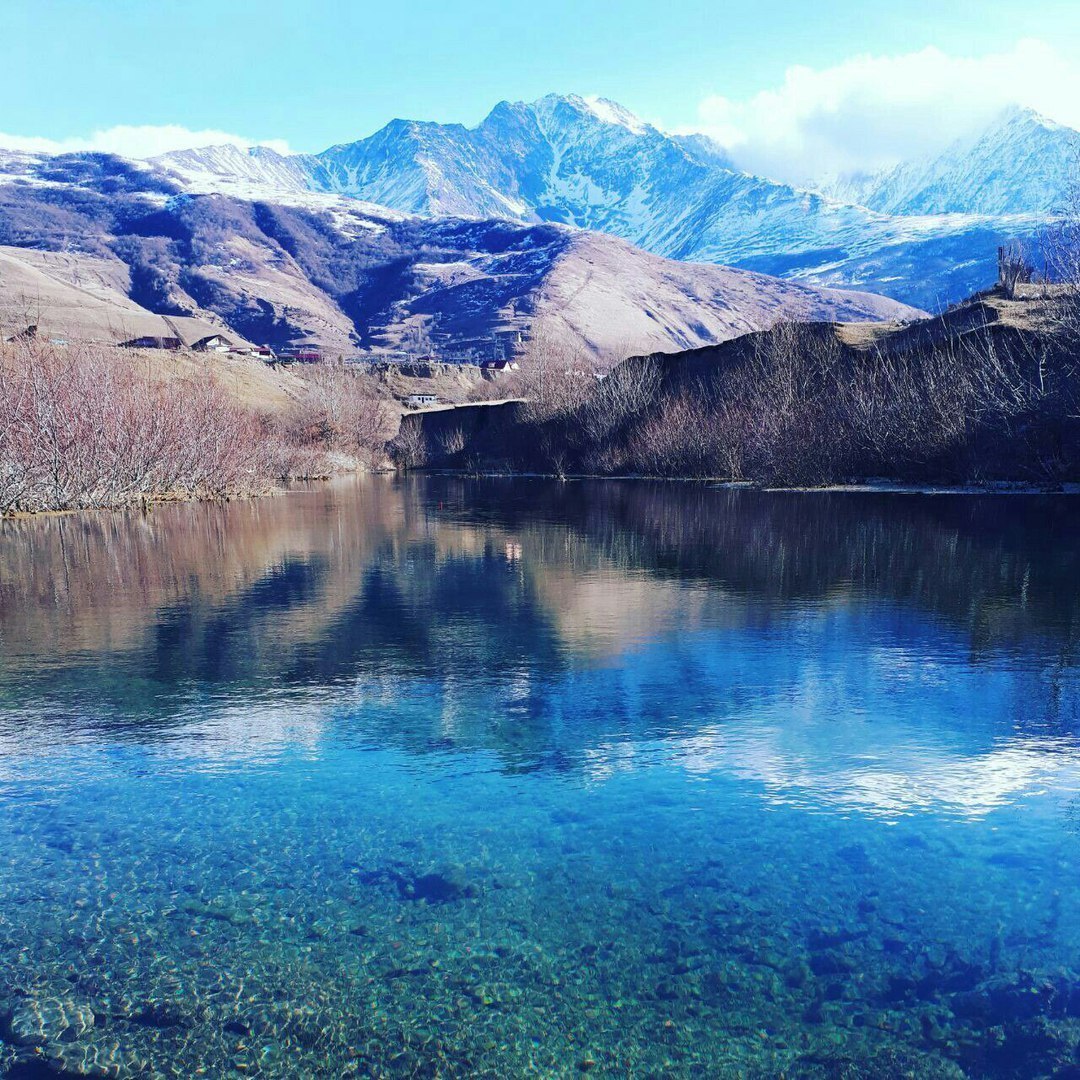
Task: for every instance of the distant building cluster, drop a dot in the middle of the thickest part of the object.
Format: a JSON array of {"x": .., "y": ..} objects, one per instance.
[
  {"x": 497, "y": 353},
  {"x": 426, "y": 344},
  {"x": 308, "y": 353}
]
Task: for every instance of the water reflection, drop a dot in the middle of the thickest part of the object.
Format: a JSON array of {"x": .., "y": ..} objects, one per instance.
[
  {"x": 447, "y": 777},
  {"x": 545, "y": 621}
]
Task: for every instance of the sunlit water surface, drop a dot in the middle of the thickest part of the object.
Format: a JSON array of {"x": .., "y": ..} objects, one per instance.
[{"x": 499, "y": 778}]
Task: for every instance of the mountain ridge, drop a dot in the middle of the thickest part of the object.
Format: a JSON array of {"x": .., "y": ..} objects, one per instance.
[
  {"x": 358, "y": 278},
  {"x": 592, "y": 164},
  {"x": 1020, "y": 163}
]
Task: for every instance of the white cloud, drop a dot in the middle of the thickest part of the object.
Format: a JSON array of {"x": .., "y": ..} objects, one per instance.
[
  {"x": 136, "y": 141},
  {"x": 871, "y": 112}
]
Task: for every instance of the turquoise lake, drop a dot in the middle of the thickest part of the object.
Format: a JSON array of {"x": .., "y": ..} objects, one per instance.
[{"x": 494, "y": 778}]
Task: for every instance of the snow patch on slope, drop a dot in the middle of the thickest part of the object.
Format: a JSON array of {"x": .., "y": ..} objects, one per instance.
[{"x": 611, "y": 112}]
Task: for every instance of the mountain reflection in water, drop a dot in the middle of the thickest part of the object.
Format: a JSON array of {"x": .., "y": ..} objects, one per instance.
[
  {"x": 437, "y": 670},
  {"x": 549, "y": 623}
]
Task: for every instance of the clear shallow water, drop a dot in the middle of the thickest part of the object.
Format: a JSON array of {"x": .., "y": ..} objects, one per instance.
[{"x": 507, "y": 778}]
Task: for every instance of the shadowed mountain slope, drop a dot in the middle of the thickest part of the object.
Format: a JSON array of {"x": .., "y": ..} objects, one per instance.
[{"x": 352, "y": 276}]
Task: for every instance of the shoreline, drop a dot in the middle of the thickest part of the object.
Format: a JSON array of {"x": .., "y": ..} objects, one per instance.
[
  {"x": 867, "y": 487},
  {"x": 282, "y": 486}
]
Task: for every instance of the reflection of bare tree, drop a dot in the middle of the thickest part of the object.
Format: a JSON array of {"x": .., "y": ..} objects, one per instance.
[
  {"x": 995, "y": 567},
  {"x": 369, "y": 575},
  {"x": 486, "y": 597}
]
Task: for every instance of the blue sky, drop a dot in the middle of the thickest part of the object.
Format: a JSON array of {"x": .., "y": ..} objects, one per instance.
[{"x": 320, "y": 72}]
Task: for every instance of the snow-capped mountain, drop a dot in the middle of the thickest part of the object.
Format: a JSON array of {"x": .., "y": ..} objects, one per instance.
[
  {"x": 94, "y": 244},
  {"x": 706, "y": 149},
  {"x": 925, "y": 233},
  {"x": 1022, "y": 163},
  {"x": 588, "y": 163},
  {"x": 232, "y": 168}
]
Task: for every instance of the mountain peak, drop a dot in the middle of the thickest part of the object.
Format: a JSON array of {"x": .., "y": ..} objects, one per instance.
[
  {"x": 590, "y": 163},
  {"x": 1021, "y": 162},
  {"x": 1022, "y": 116},
  {"x": 593, "y": 108}
]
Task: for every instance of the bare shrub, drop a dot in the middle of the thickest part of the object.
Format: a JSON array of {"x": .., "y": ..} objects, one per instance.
[
  {"x": 495, "y": 387},
  {"x": 452, "y": 441},
  {"x": 601, "y": 459},
  {"x": 87, "y": 427},
  {"x": 342, "y": 411},
  {"x": 556, "y": 373},
  {"x": 917, "y": 407},
  {"x": 287, "y": 459},
  {"x": 1014, "y": 267},
  {"x": 774, "y": 406},
  {"x": 17, "y": 461},
  {"x": 673, "y": 440},
  {"x": 554, "y": 453},
  {"x": 623, "y": 394},
  {"x": 408, "y": 449},
  {"x": 798, "y": 407},
  {"x": 218, "y": 446},
  {"x": 1061, "y": 252}
]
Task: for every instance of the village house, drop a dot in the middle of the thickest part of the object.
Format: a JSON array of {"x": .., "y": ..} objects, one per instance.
[
  {"x": 305, "y": 353},
  {"x": 174, "y": 332},
  {"x": 260, "y": 352},
  {"x": 214, "y": 343}
]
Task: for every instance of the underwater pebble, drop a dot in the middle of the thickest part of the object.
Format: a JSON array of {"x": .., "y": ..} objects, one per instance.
[{"x": 37, "y": 1022}]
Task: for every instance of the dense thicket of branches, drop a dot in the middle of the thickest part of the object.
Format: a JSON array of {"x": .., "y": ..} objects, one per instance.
[
  {"x": 801, "y": 408},
  {"x": 1061, "y": 256},
  {"x": 85, "y": 427},
  {"x": 342, "y": 413},
  {"x": 796, "y": 405}
]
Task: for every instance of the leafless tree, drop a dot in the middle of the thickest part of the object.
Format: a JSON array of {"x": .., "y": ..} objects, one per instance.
[
  {"x": 342, "y": 411},
  {"x": 408, "y": 449},
  {"x": 556, "y": 373},
  {"x": 452, "y": 441},
  {"x": 795, "y": 406},
  {"x": 1014, "y": 267},
  {"x": 622, "y": 395},
  {"x": 86, "y": 426},
  {"x": 1062, "y": 257}
]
